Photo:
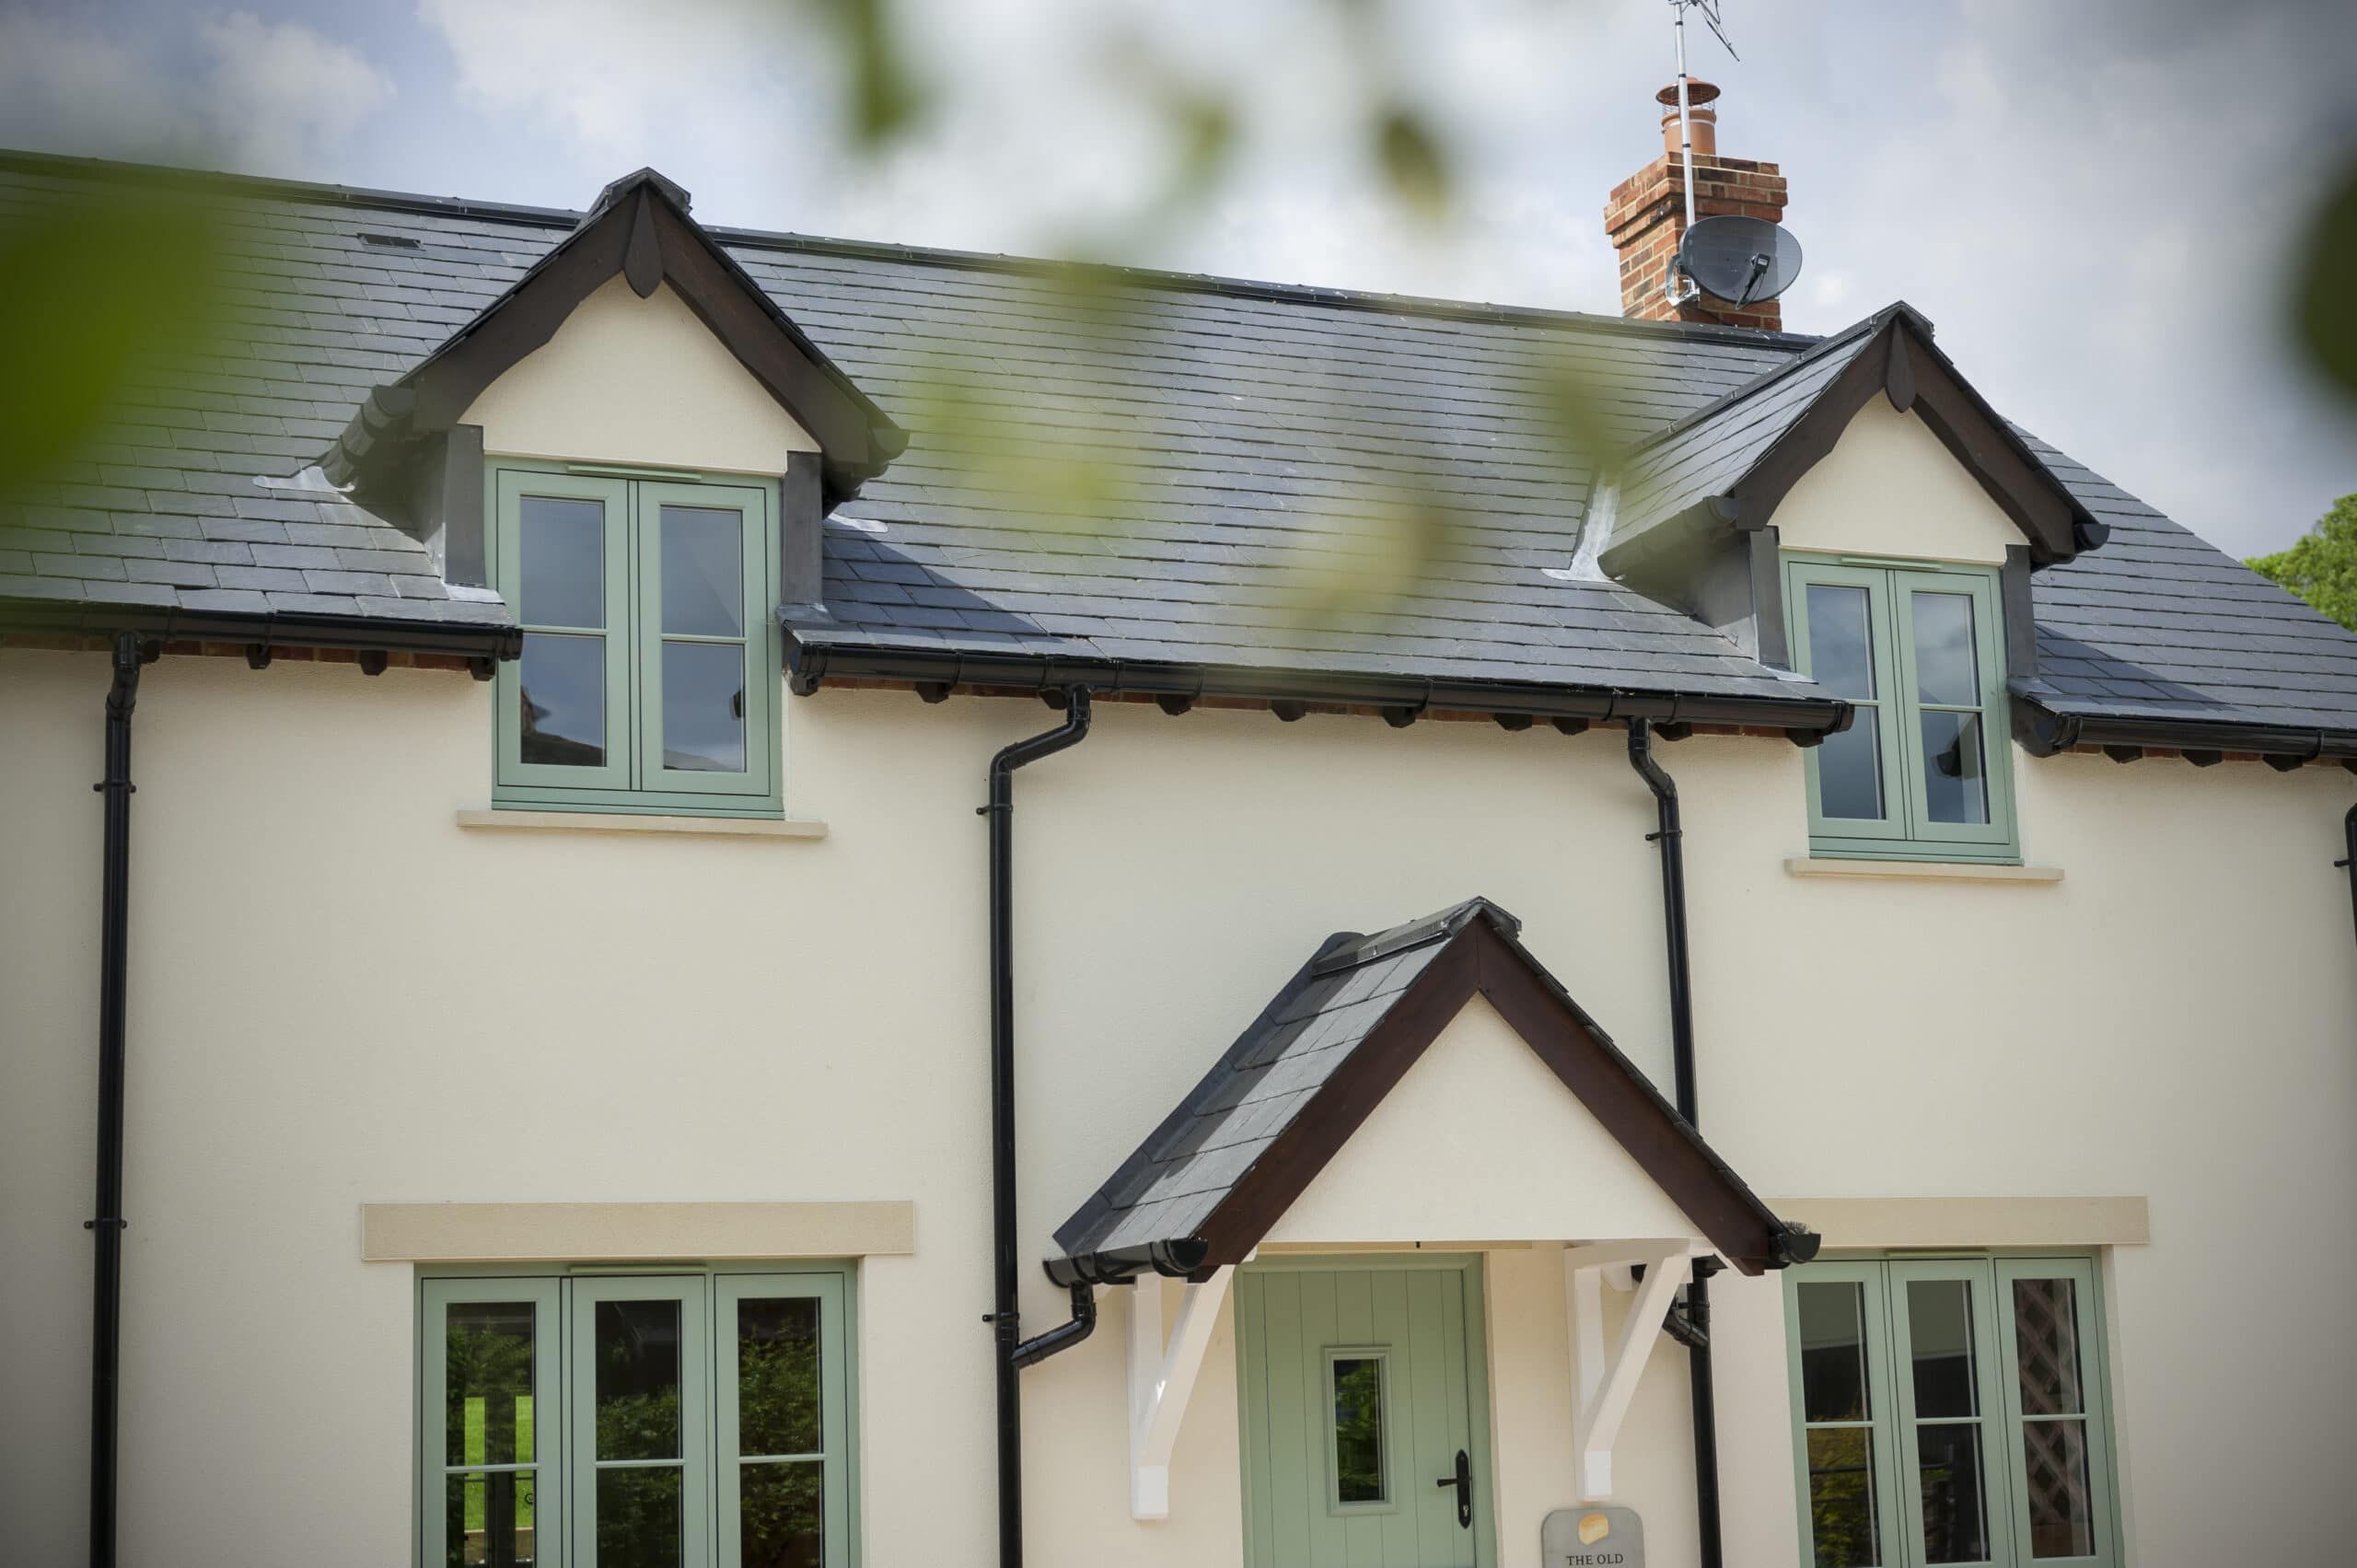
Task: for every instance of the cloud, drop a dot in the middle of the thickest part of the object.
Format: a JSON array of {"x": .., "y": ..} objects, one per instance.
[{"x": 227, "y": 89}]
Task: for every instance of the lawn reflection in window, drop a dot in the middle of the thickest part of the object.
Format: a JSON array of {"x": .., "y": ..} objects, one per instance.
[{"x": 1358, "y": 1429}]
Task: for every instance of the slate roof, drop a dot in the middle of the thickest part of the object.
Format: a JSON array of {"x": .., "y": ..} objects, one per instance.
[
  {"x": 1265, "y": 432},
  {"x": 1702, "y": 455},
  {"x": 1157, "y": 1209}
]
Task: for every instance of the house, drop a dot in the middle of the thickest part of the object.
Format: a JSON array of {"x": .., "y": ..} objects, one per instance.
[{"x": 701, "y": 971}]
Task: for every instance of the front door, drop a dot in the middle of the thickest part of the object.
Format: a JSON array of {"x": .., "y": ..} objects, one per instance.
[{"x": 1365, "y": 1414}]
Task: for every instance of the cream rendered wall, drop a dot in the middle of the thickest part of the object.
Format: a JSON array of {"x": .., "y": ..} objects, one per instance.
[
  {"x": 1890, "y": 488},
  {"x": 632, "y": 380},
  {"x": 1478, "y": 1087},
  {"x": 339, "y": 996}
]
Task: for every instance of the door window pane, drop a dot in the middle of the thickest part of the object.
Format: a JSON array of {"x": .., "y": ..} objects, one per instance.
[
  {"x": 1956, "y": 1519},
  {"x": 1947, "y": 658},
  {"x": 1841, "y": 650},
  {"x": 2061, "y": 1505},
  {"x": 638, "y": 1518},
  {"x": 564, "y": 552},
  {"x": 560, "y": 695},
  {"x": 1843, "y": 1517},
  {"x": 638, "y": 1382},
  {"x": 703, "y": 572},
  {"x": 1955, "y": 788},
  {"x": 782, "y": 1516},
  {"x": 488, "y": 1521},
  {"x": 703, "y": 707},
  {"x": 1939, "y": 1333},
  {"x": 1358, "y": 1429},
  {"x": 1833, "y": 1352},
  {"x": 488, "y": 1419},
  {"x": 2046, "y": 1338},
  {"x": 777, "y": 1376}
]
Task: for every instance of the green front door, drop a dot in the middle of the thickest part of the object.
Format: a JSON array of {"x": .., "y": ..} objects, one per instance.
[{"x": 1366, "y": 1415}]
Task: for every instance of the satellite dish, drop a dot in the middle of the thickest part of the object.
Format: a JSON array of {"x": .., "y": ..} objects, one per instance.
[{"x": 1740, "y": 260}]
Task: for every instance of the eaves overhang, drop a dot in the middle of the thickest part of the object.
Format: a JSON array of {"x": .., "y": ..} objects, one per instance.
[
  {"x": 485, "y": 641},
  {"x": 1401, "y": 699}
]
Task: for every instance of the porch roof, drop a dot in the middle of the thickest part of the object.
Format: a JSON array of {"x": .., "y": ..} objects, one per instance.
[{"x": 1208, "y": 1183}]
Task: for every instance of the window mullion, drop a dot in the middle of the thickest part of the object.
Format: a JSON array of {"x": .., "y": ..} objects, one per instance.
[{"x": 1909, "y": 705}]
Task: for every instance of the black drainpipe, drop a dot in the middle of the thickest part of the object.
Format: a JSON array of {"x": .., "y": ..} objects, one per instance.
[
  {"x": 2348, "y": 827},
  {"x": 106, "y": 1228},
  {"x": 1009, "y": 1353},
  {"x": 1694, "y": 1331}
]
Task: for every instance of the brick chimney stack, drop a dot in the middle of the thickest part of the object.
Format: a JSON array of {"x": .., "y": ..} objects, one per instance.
[{"x": 1646, "y": 216}]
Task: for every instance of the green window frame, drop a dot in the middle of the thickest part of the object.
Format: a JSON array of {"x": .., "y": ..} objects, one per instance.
[
  {"x": 1925, "y": 771},
  {"x": 570, "y": 1413},
  {"x": 1930, "y": 1429},
  {"x": 628, "y": 716}
]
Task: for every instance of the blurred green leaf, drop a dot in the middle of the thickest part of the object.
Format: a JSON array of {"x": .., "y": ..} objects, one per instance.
[
  {"x": 89, "y": 291},
  {"x": 2325, "y": 299},
  {"x": 2322, "y": 567},
  {"x": 885, "y": 98},
  {"x": 1412, "y": 161}
]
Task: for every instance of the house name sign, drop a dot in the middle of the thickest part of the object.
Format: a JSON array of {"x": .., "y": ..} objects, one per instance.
[{"x": 1592, "y": 1538}]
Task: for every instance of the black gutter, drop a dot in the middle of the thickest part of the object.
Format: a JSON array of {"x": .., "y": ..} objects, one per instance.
[
  {"x": 270, "y": 629},
  {"x": 810, "y": 664},
  {"x": 2043, "y": 733},
  {"x": 1670, "y": 836},
  {"x": 1010, "y": 1355},
  {"x": 107, "y": 1225}
]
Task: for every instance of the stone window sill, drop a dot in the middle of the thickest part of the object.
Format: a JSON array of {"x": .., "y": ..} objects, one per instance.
[
  {"x": 1919, "y": 870},
  {"x": 631, "y": 823}
]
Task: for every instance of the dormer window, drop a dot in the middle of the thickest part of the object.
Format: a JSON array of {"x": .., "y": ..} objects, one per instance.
[
  {"x": 649, "y": 680},
  {"x": 1924, "y": 770}
]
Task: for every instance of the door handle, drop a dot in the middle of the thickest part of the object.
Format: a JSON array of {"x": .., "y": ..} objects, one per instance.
[{"x": 1463, "y": 1481}]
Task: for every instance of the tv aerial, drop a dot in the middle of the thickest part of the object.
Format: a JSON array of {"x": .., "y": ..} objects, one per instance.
[{"x": 1742, "y": 260}]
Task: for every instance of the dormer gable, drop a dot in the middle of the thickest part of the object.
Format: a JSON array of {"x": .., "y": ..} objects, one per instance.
[
  {"x": 637, "y": 339},
  {"x": 1870, "y": 443}
]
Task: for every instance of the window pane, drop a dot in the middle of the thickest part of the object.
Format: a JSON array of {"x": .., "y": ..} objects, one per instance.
[
  {"x": 782, "y": 1516},
  {"x": 487, "y": 1520},
  {"x": 777, "y": 1376},
  {"x": 2062, "y": 1510},
  {"x": 1947, "y": 662},
  {"x": 638, "y": 1518},
  {"x": 1833, "y": 1352},
  {"x": 1841, "y": 652},
  {"x": 1947, "y": 1461},
  {"x": 2046, "y": 1338},
  {"x": 1954, "y": 788},
  {"x": 1849, "y": 771},
  {"x": 1842, "y": 1518},
  {"x": 488, "y": 1387},
  {"x": 1358, "y": 1429},
  {"x": 1939, "y": 1336},
  {"x": 562, "y": 693},
  {"x": 703, "y": 707},
  {"x": 703, "y": 572},
  {"x": 564, "y": 563},
  {"x": 638, "y": 1382}
]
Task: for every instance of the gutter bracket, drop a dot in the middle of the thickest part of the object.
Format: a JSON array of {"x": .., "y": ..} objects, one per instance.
[{"x": 1162, "y": 1379}]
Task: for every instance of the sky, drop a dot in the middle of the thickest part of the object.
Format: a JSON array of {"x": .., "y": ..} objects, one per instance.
[{"x": 2095, "y": 199}]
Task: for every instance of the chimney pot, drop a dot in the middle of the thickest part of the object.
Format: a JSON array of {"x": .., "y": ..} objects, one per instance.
[{"x": 1699, "y": 94}]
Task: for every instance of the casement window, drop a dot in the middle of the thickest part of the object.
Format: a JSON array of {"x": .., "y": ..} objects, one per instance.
[
  {"x": 649, "y": 680},
  {"x": 1924, "y": 772},
  {"x": 636, "y": 1420},
  {"x": 1951, "y": 1411}
]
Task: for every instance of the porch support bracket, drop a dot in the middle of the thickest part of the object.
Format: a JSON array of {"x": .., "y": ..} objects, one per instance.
[
  {"x": 1606, "y": 1385},
  {"x": 1162, "y": 1380}
]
